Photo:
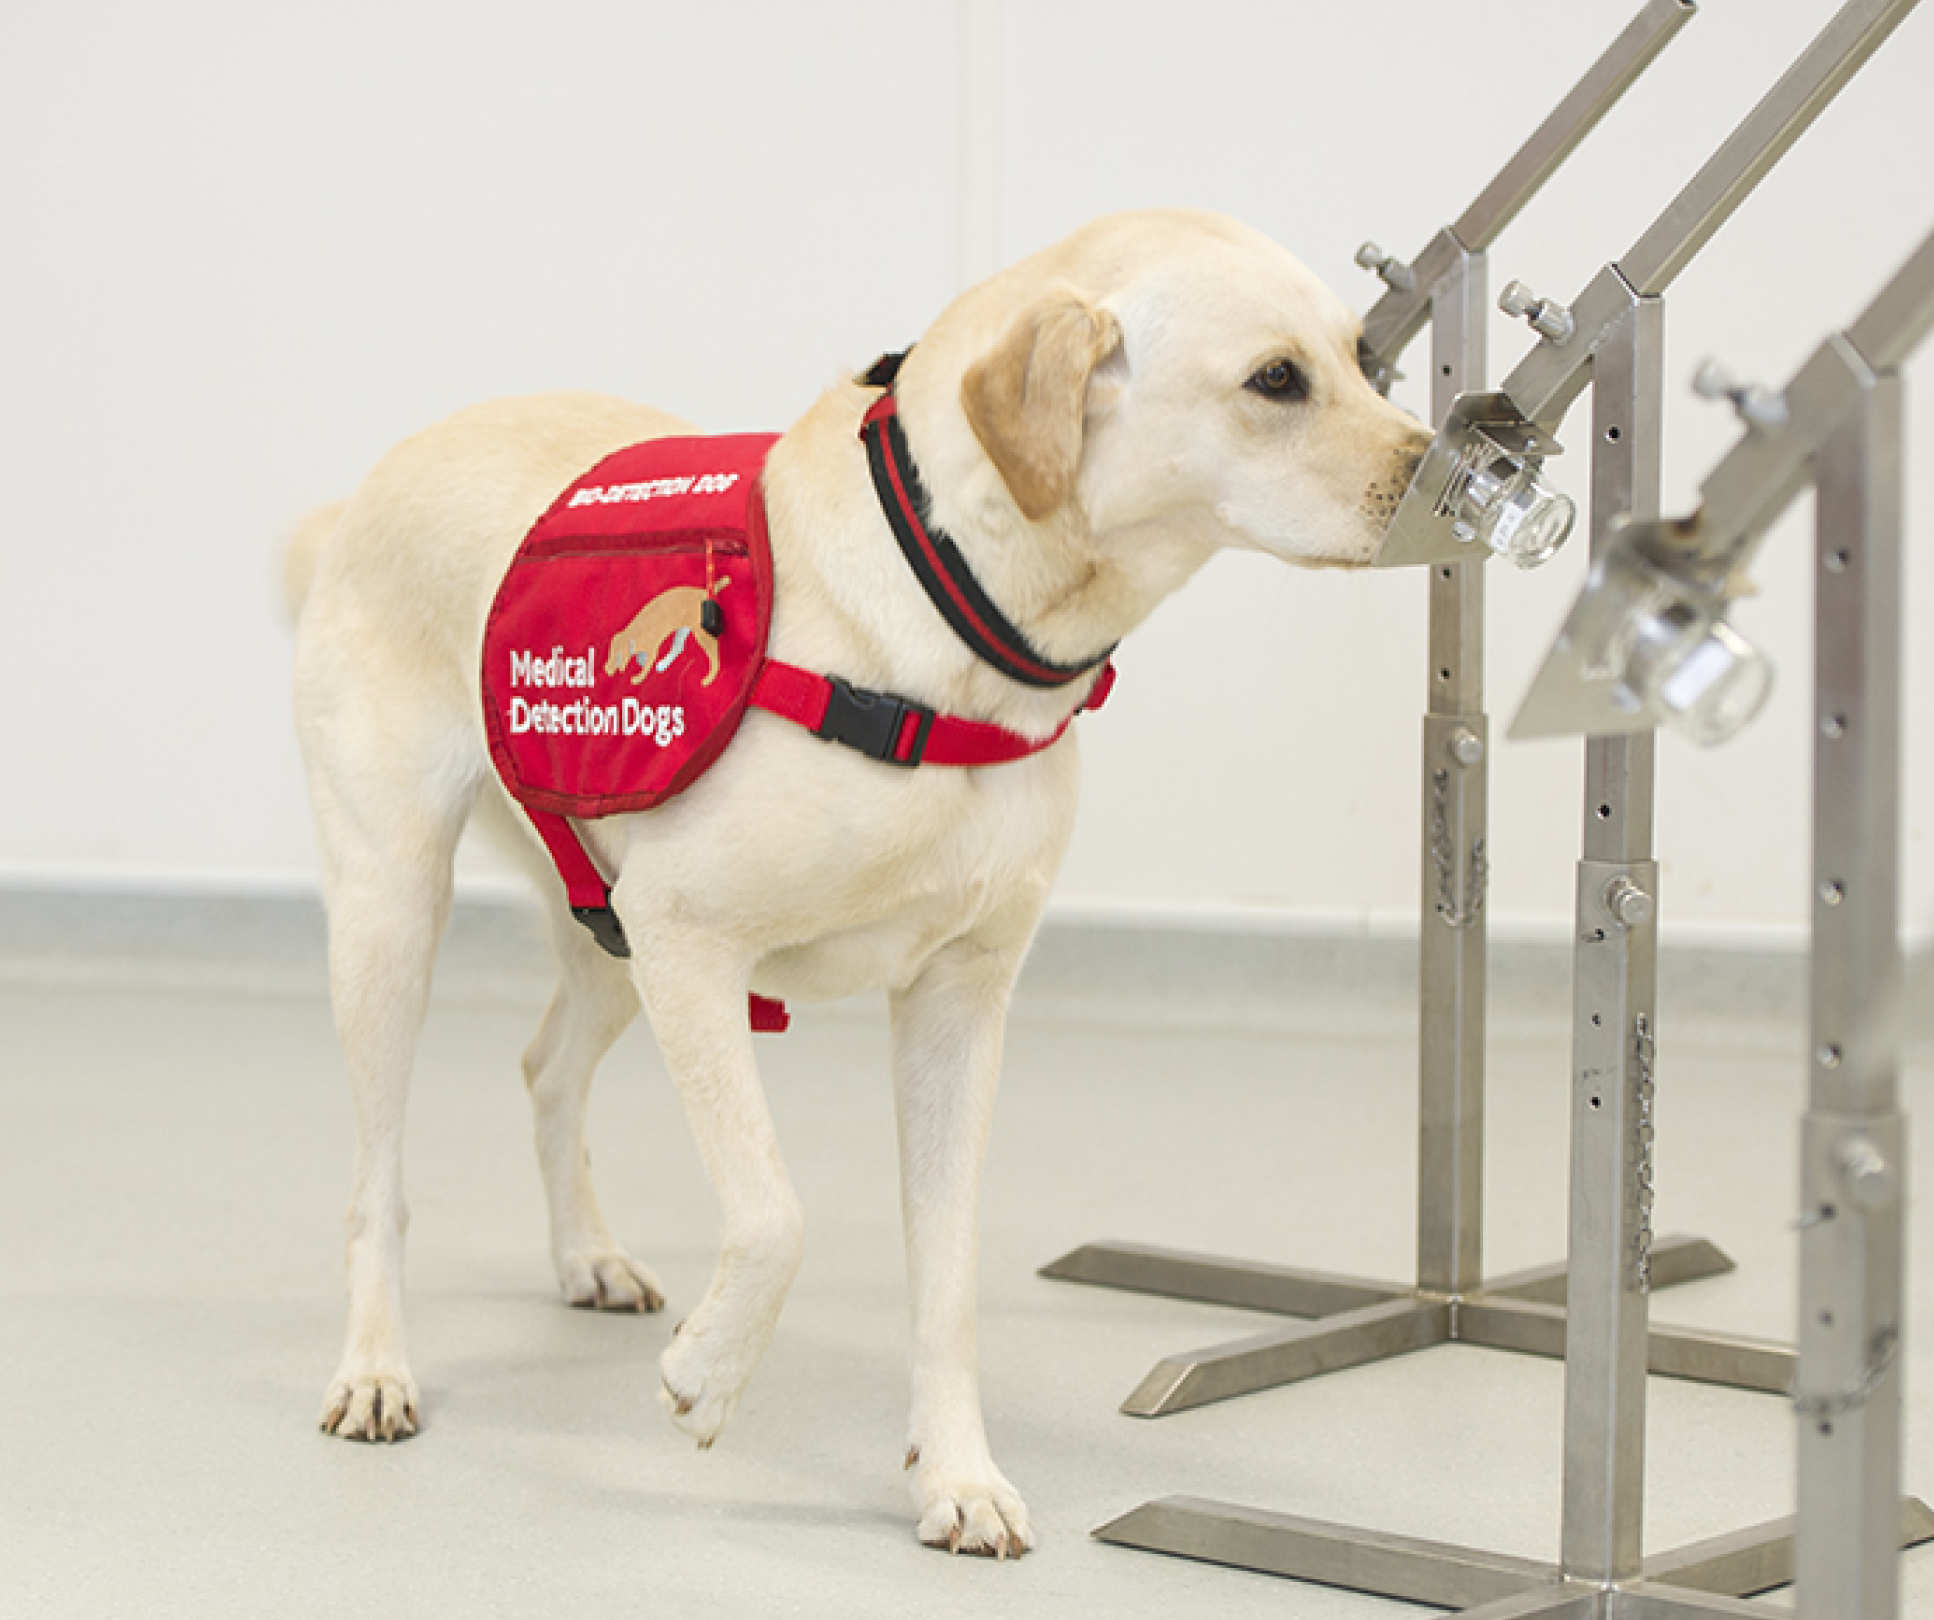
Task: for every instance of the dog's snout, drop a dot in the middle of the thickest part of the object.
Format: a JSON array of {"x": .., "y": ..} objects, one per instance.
[{"x": 1382, "y": 495}]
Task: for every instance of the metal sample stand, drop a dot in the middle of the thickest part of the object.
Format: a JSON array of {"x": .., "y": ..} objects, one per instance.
[
  {"x": 1836, "y": 425},
  {"x": 1364, "y": 1320},
  {"x": 1608, "y": 339}
]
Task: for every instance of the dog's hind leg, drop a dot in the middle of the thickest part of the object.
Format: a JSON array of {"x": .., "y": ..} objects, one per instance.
[
  {"x": 695, "y": 993},
  {"x": 390, "y": 803},
  {"x": 947, "y": 1029},
  {"x": 593, "y": 1005}
]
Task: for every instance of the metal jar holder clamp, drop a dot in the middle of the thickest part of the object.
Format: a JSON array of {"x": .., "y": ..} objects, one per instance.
[{"x": 1594, "y": 1312}]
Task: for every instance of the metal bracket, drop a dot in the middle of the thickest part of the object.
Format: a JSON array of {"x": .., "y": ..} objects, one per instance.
[{"x": 1480, "y": 428}]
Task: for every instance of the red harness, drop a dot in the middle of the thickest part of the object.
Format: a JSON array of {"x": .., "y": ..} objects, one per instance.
[{"x": 628, "y": 638}]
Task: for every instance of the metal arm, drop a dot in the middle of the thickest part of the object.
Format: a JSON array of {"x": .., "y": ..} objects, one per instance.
[
  {"x": 1746, "y": 493},
  {"x": 1782, "y": 116},
  {"x": 1402, "y": 312},
  {"x": 1892, "y": 326},
  {"x": 1660, "y": 591},
  {"x": 1547, "y": 380},
  {"x": 1533, "y": 399},
  {"x": 1552, "y": 141}
]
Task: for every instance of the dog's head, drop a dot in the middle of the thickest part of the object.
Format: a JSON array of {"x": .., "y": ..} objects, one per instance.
[{"x": 1181, "y": 372}]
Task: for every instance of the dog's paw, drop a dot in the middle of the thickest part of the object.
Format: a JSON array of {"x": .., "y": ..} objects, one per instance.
[
  {"x": 983, "y": 1515},
  {"x": 611, "y": 1281},
  {"x": 700, "y": 1381},
  {"x": 370, "y": 1406}
]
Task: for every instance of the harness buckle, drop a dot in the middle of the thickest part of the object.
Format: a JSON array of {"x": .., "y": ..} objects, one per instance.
[
  {"x": 873, "y": 722},
  {"x": 605, "y": 928}
]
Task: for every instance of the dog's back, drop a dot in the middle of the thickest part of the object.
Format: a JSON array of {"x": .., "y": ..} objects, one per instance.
[{"x": 411, "y": 559}]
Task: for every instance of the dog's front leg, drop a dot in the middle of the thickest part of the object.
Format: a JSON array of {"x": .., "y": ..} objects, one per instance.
[
  {"x": 694, "y": 993},
  {"x": 947, "y": 1031}
]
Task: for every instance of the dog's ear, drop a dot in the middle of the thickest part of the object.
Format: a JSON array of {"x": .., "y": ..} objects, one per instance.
[{"x": 1026, "y": 397}]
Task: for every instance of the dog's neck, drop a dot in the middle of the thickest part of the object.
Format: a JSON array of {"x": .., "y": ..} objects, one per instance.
[{"x": 848, "y": 601}]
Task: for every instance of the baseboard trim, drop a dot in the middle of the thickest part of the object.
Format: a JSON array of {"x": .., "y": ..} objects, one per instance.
[{"x": 1157, "y": 969}]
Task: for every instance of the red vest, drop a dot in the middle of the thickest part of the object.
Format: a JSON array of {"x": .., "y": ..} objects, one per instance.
[{"x": 609, "y": 684}]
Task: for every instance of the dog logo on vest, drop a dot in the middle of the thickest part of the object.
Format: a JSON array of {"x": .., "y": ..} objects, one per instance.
[{"x": 676, "y": 615}]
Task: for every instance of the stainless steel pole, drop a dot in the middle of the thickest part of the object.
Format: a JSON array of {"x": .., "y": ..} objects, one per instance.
[
  {"x": 1614, "y": 1031},
  {"x": 1455, "y": 817},
  {"x": 1853, "y": 1156}
]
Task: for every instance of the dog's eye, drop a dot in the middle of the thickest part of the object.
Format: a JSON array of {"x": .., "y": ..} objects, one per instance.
[
  {"x": 1280, "y": 379},
  {"x": 1374, "y": 370}
]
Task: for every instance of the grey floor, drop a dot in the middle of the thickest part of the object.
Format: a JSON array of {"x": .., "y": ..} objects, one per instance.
[{"x": 173, "y": 1171}]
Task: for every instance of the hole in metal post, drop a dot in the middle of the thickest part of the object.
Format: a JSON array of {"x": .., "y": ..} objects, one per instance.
[
  {"x": 1612, "y": 434},
  {"x": 1604, "y": 812}
]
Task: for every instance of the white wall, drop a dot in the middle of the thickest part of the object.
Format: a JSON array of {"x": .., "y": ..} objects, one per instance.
[{"x": 248, "y": 247}]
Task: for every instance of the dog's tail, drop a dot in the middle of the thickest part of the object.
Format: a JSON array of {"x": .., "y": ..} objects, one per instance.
[{"x": 299, "y": 556}]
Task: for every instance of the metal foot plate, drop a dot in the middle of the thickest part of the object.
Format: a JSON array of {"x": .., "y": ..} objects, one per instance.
[
  {"x": 1760, "y": 1558},
  {"x": 1706, "y": 1358},
  {"x": 1288, "y": 1355},
  {"x": 1329, "y": 1554},
  {"x": 1209, "y": 1279}
]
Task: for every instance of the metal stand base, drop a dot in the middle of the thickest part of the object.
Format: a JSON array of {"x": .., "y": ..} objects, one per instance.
[
  {"x": 1711, "y": 1577},
  {"x": 1359, "y": 1321}
]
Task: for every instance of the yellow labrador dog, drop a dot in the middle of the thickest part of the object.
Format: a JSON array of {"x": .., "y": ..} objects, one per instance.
[{"x": 1090, "y": 425}]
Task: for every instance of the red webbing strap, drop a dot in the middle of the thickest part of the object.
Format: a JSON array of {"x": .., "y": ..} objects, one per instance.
[
  {"x": 586, "y": 891},
  {"x": 804, "y": 698},
  {"x": 584, "y": 884},
  {"x": 792, "y": 693},
  {"x": 769, "y": 1017}
]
